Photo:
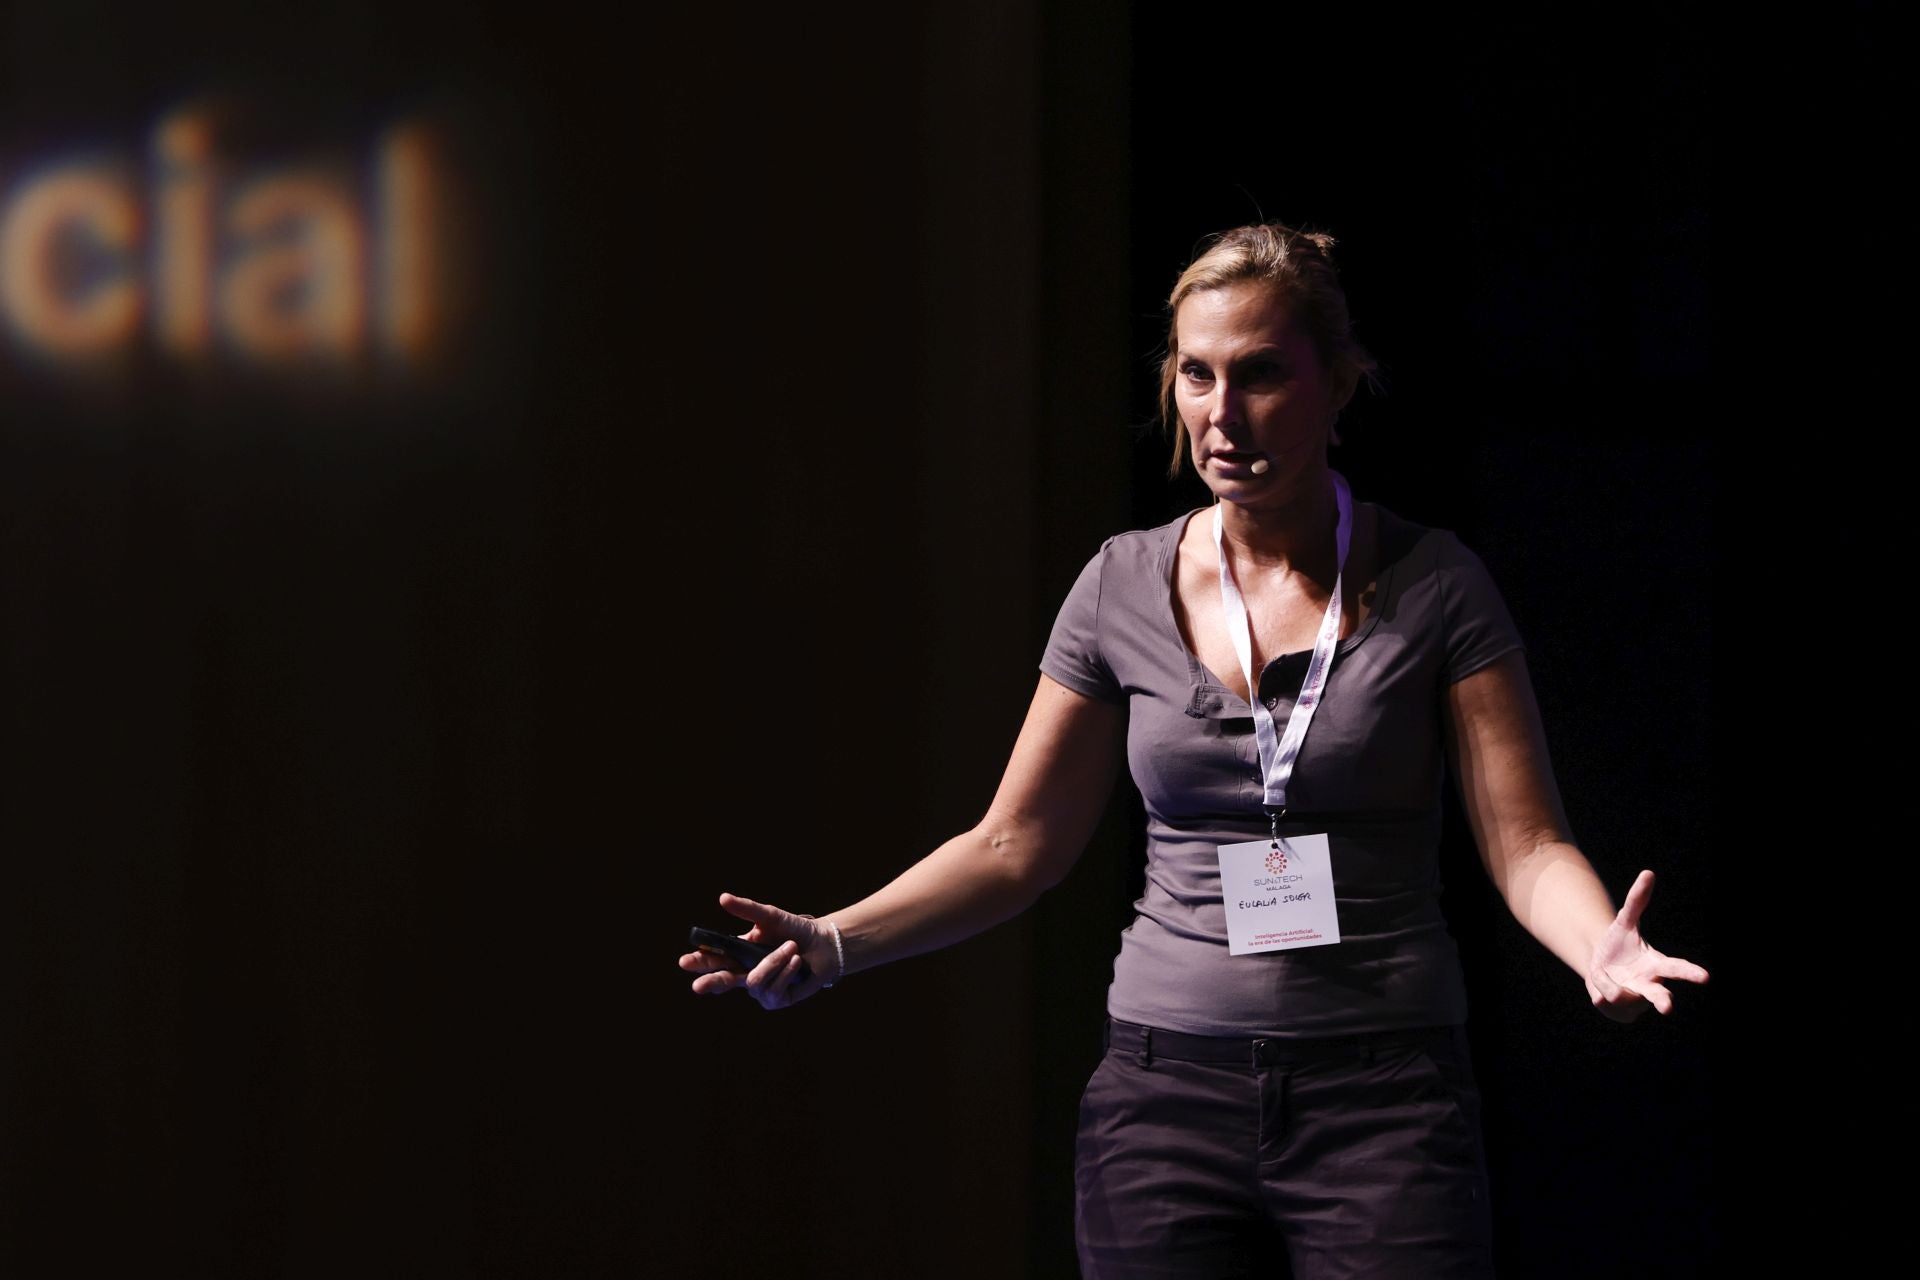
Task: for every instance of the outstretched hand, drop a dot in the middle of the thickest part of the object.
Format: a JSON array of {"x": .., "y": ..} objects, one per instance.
[
  {"x": 775, "y": 982},
  {"x": 1625, "y": 974}
]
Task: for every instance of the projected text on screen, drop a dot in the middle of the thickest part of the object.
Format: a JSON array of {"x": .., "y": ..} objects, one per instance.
[{"x": 281, "y": 265}]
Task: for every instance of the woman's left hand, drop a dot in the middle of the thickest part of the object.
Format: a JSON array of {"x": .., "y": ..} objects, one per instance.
[{"x": 1625, "y": 974}]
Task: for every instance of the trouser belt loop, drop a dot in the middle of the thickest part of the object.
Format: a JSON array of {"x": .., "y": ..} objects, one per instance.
[{"x": 1146, "y": 1046}]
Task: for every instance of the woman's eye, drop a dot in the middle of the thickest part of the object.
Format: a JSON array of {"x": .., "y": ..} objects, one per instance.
[{"x": 1196, "y": 372}]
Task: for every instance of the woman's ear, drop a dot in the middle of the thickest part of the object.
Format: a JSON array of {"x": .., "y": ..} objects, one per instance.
[
  {"x": 1341, "y": 387},
  {"x": 1339, "y": 391}
]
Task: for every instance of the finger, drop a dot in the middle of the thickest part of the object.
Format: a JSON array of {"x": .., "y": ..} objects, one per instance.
[
  {"x": 1654, "y": 994},
  {"x": 789, "y": 979},
  {"x": 1629, "y": 917},
  {"x": 759, "y": 913},
  {"x": 1624, "y": 1010},
  {"x": 781, "y": 990},
  {"x": 1683, "y": 970},
  {"x": 760, "y": 983},
  {"x": 701, "y": 962},
  {"x": 717, "y": 984},
  {"x": 1603, "y": 988},
  {"x": 1614, "y": 1000}
]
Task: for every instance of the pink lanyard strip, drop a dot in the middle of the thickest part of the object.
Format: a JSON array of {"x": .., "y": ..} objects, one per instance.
[{"x": 1279, "y": 751}]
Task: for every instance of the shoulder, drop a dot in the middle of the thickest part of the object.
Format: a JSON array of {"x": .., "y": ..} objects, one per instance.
[
  {"x": 1160, "y": 535},
  {"x": 1423, "y": 547},
  {"x": 1400, "y": 537},
  {"x": 1142, "y": 553},
  {"x": 1127, "y": 577},
  {"x": 1443, "y": 580},
  {"x": 1118, "y": 598}
]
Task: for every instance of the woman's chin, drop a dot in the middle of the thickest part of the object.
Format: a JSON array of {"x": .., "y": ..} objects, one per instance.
[{"x": 1237, "y": 483}]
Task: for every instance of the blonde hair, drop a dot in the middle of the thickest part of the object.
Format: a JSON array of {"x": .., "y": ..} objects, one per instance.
[{"x": 1298, "y": 267}]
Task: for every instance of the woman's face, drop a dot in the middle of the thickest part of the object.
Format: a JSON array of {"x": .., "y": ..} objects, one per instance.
[{"x": 1257, "y": 407}]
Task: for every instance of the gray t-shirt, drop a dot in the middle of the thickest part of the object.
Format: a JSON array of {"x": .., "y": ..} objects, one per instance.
[{"x": 1369, "y": 775}]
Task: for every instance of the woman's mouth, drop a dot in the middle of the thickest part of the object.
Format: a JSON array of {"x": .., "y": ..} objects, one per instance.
[{"x": 1252, "y": 461}]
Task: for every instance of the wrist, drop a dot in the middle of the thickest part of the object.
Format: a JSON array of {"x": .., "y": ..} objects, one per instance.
[
  {"x": 831, "y": 946},
  {"x": 839, "y": 954}
]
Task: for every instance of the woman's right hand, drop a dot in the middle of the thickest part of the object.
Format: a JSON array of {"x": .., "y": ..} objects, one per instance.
[{"x": 775, "y": 981}]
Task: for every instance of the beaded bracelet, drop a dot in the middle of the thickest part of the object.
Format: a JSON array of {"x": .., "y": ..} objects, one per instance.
[{"x": 840, "y": 954}]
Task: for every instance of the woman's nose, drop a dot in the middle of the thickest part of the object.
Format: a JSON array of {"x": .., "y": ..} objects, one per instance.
[{"x": 1224, "y": 411}]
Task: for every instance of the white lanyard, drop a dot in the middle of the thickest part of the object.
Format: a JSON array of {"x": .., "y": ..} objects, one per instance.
[{"x": 1276, "y": 758}]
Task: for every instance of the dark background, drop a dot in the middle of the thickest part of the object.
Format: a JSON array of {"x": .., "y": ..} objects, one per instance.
[{"x": 371, "y": 745}]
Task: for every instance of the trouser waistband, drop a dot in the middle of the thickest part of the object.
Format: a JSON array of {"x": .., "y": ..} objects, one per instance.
[{"x": 1266, "y": 1051}]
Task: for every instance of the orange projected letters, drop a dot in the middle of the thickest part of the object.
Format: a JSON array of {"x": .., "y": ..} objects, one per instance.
[
  {"x": 39, "y": 234},
  {"x": 183, "y": 235},
  {"x": 409, "y": 300},
  {"x": 284, "y": 267},
  {"x": 295, "y": 287}
]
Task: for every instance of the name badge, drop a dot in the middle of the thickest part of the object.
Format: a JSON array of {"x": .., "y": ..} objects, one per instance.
[{"x": 1278, "y": 899}]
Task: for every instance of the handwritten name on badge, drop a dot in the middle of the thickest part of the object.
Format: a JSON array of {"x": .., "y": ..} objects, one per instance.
[{"x": 1277, "y": 901}]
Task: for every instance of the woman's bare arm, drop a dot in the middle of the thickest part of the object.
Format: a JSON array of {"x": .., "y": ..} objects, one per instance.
[
  {"x": 1050, "y": 798},
  {"x": 1513, "y": 805}
]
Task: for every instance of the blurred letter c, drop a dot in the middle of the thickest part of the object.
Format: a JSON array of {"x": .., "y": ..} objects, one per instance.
[{"x": 48, "y": 301}]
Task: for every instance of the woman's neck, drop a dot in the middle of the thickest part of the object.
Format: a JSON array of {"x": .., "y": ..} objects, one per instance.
[{"x": 1289, "y": 531}]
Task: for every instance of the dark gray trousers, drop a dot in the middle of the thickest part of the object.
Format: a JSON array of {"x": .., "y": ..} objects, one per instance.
[{"x": 1319, "y": 1160}]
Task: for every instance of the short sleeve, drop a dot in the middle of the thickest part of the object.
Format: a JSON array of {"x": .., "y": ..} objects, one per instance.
[
  {"x": 1073, "y": 655},
  {"x": 1478, "y": 629}
]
